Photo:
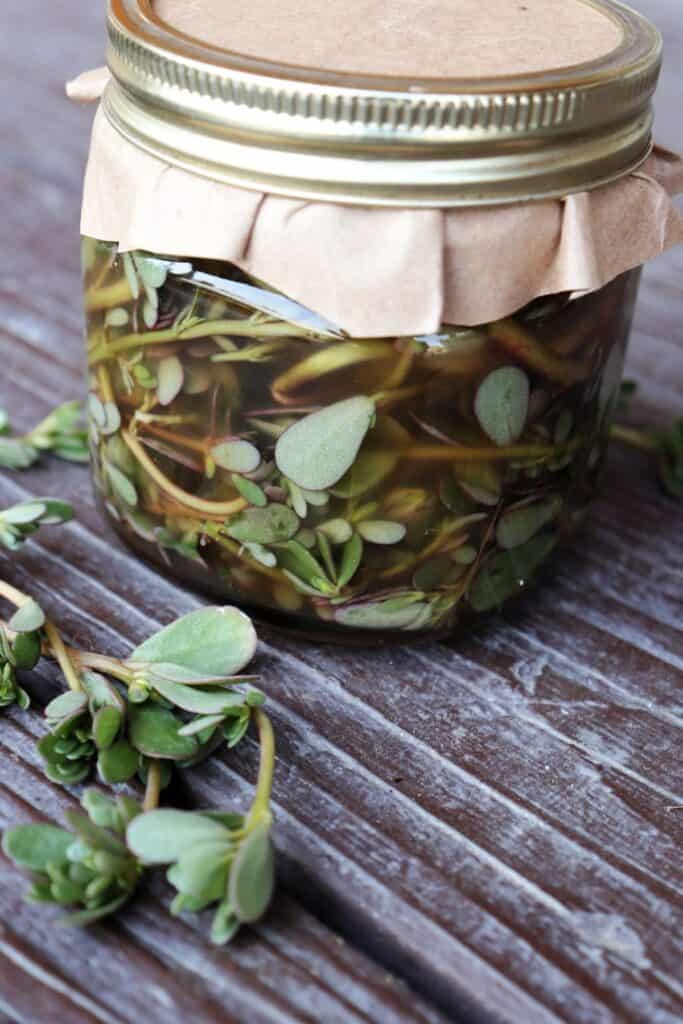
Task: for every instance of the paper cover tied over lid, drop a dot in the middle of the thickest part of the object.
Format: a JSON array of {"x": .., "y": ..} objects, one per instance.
[{"x": 388, "y": 102}]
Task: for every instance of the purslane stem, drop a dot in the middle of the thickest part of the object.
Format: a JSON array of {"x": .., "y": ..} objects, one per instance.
[
  {"x": 456, "y": 453},
  {"x": 81, "y": 659},
  {"x": 152, "y": 787},
  {"x": 193, "y": 443},
  {"x": 260, "y": 808},
  {"x": 388, "y": 396},
  {"x": 14, "y": 596},
  {"x": 202, "y": 505},
  {"x": 213, "y": 531},
  {"x": 636, "y": 438},
  {"x": 109, "y": 296},
  {"x": 400, "y": 370},
  {"x": 62, "y": 656},
  {"x": 527, "y": 349},
  {"x": 60, "y": 652},
  {"x": 105, "y": 384},
  {"x": 236, "y": 328},
  {"x": 102, "y": 663}
]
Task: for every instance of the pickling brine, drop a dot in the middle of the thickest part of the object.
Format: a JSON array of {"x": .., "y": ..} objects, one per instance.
[{"x": 345, "y": 486}]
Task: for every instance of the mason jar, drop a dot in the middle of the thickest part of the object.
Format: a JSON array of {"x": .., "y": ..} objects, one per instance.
[{"x": 245, "y": 437}]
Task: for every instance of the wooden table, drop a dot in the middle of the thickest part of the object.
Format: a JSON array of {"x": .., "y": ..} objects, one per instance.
[{"x": 482, "y": 830}]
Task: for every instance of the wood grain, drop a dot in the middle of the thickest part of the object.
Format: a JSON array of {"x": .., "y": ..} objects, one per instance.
[{"x": 485, "y": 829}]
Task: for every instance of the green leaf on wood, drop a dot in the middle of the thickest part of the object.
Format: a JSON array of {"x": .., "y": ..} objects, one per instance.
[
  {"x": 200, "y": 701},
  {"x": 225, "y": 925},
  {"x": 162, "y": 836},
  {"x": 201, "y": 724},
  {"x": 26, "y": 650},
  {"x": 118, "y": 763},
  {"x": 252, "y": 876},
  {"x": 210, "y": 641},
  {"x": 82, "y": 918},
  {"x": 73, "y": 702},
  {"x": 28, "y": 618},
  {"x": 202, "y": 869},
  {"x": 154, "y": 732},
  {"x": 106, "y": 725},
  {"x": 25, "y": 512},
  {"x": 36, "y": 846},
  {"x": 101, "y": 692}
]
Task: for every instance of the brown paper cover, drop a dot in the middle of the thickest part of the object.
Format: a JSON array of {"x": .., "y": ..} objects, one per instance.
[{"x": 381, "y": 271}]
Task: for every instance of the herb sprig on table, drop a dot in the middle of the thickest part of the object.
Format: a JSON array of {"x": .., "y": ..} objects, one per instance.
[
  {"x": 63, "y": 433},
  {"x": 176, "y": 698},
  {"x": 216, "y": 858},
  {"x": 666, "y": 446}
]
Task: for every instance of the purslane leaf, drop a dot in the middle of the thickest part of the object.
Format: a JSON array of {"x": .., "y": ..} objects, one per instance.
[
  {"x": 28, "y": 618},
  {"x": 199, "y": 701},
  {"x": 67, "y": 704},
  {"x": 501, "y": 404},
  {"x": 202, "y": 870},
  {"x": 36, "y": 846},
  {"x": 505, "y": 573},
  {"x": 117, "y": 763},
  {"x": 15, "y": 453},
  {"x": 519, "y": 525},
  {"x": 82, "y": 918},
  {"x": 162, "y": 836},
  {"x": 274, "y": 524},
  {"x": 154, "y": 732},
  {"x": 252, "y": 876},
  {"x": 317, "y": 451},
  {"x": 392, "y": 613},
  {"x": 213, "y": 641},
  {"x": 236, "y": 455}
]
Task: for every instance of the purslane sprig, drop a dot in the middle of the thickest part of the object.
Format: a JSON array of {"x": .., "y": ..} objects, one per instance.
[
  {"x": 63, "y": 433},
  {"x": 220, "y": 858},
  {"x": 215, "y": 858},
  {"x": 20, "y": 642},
  {"x": 665, "y": 445},
  {"x": 20, "y": 652},
  {"x": 190, "y": 666},
  {"x": 20, "y": 521},
  {"x": 90, "y": 869}
]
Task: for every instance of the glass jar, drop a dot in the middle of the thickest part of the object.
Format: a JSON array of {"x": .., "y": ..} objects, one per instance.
[
  {"x": 342, "y": 485},
  {"x": 375, "y": 480}
]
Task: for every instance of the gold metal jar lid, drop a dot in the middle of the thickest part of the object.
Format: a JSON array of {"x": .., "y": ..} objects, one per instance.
[{"x": 267, "y": 121}]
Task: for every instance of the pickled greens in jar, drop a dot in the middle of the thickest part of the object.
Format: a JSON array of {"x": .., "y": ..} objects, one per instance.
[{"x": 342, "y": 486}]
